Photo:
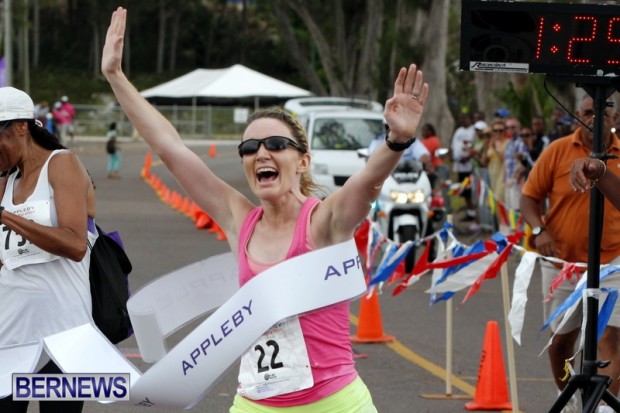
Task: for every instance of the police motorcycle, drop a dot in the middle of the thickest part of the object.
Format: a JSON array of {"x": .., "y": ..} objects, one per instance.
[{"x": 407, "y": 208}]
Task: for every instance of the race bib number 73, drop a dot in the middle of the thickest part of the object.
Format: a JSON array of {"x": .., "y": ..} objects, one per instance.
[{"x": 17, "y": 250}]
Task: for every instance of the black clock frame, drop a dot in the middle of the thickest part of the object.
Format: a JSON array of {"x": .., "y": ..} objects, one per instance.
[{"x": 563, "y": 39}]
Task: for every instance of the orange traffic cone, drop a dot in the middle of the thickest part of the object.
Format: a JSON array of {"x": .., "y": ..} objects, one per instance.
[
  {"x": 146, "y": 168},
  {"x": 151, "y": 180},
  {"x": 164, "y": 193},
  {"x": 491, "y": 390},
  {"x": 203, "y": 220},
  {"x": 186, "y": 207},
  {"x": 177, "y": 201},
  {"x": 212, "y": 151},
  {"x": 216, "y": 229},
  {"x": 370, "y": 327},
  {"x": 148, "y": 160},
  {"x": 170, "y": 198},
  {"x": 159, "y": 188},
  {"x": 194, "y": 210},
  {"x": 221, "y": 235}
]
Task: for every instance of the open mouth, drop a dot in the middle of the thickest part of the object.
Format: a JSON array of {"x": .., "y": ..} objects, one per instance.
[{"x": 266, "y": 174}]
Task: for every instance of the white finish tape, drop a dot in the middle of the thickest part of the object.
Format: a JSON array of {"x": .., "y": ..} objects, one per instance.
[{"x": 182, "y": 376}]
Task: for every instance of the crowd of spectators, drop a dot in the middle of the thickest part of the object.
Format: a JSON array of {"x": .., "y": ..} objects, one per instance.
[{"x": 501, "y": 151}]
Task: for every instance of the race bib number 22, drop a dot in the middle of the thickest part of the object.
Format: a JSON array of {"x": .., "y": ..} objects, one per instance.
[{"x": 277, "y": 363}]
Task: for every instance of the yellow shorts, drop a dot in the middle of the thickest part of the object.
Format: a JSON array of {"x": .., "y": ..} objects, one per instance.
[{"x": 353, "y": 398}]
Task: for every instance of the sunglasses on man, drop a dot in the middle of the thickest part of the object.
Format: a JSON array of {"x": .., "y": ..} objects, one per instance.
[{"x": 272, "y": 143}]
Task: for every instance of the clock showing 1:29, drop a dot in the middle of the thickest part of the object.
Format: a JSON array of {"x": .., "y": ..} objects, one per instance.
[{"x": 551, "y": 38}]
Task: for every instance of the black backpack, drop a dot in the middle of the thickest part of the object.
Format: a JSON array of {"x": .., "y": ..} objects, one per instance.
[
  {"x": 109, "y": 268},
  {"x": 110, "y": 147}
]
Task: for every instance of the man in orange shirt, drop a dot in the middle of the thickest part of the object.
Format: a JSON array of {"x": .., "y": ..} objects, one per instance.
[{"x": 563, "y": 232}]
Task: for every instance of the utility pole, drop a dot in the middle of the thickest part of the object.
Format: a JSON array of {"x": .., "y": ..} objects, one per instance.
[
  {"x": 26, "y": 54},
  {"x": 8, "y": 44}
]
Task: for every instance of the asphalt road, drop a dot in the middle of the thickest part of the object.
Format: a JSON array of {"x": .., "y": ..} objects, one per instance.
[{"x": 407, "y": 375}]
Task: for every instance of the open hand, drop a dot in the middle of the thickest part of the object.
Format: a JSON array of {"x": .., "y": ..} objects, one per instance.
[
  {"x": 112, "y": 55},
  {"x": 404, "y": 109}
]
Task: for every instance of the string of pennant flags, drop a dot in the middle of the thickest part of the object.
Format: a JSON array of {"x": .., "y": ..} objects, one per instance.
[{"x": 458, "y": 266}]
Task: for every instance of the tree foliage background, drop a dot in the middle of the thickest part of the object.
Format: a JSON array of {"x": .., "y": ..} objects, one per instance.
[{"x": 331, "y": 47}]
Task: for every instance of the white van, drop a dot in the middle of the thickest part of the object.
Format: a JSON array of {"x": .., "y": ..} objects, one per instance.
[{"x": 337, "y": 128}]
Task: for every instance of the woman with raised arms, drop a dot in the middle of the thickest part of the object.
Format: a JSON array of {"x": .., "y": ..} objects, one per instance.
[{"x": 288, "y": 221}]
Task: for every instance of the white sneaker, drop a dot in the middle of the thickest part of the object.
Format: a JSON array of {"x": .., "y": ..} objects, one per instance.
[{"x": 605, "y": 409}]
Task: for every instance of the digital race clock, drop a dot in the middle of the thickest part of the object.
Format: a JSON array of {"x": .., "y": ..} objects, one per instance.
[{"x": 551, "y": 38}]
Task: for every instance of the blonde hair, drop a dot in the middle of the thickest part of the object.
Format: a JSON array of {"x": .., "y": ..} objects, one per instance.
[{"x": 307, "y": 185}]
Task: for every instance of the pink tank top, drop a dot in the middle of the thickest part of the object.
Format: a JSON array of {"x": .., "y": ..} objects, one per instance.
[{"x": 326, "y": 331}]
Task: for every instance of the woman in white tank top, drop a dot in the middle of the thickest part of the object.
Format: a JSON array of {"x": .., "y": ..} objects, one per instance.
[{"x": 46, "y": 209}]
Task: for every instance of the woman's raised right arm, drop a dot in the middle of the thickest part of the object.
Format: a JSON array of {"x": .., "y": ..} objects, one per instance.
[{"x": 209, "y": 192}]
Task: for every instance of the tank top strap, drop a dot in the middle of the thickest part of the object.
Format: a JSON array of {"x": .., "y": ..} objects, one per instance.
[
  {"x": 300, "y": 238},
  {"x": 42, "y": 189},
  {"x": 43, "y": 181}
]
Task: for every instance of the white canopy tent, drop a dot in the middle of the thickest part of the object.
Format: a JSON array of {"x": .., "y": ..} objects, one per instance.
[{"x": 234, "y": 84}]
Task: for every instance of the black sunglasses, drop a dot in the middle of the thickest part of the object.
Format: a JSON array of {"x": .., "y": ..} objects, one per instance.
[{"x": 272, "y": 143}]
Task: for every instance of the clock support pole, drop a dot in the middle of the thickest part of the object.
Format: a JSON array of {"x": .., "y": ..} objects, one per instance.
[{"x": 592, "y": 385}]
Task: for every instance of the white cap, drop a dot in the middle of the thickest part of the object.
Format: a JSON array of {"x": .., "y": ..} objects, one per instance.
[
  {"x": 15, "y": 104},
  {"x": 64, "y": 99},
  {"x": 480, "y": 125}
]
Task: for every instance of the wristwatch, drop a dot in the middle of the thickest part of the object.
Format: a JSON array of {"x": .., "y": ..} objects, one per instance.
[
  {"x": 396, "y": 146},
  {"x": 536, "y": 231}
]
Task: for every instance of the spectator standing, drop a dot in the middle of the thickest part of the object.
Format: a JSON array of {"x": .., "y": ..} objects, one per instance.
[
  {"x": 541, "y": 139},
  {"x": 432, "y": 143},
  {"x": 493, "y": 158},
  {"x": 484, "y": 134},
  {"x": 50, "y": 124},
  {"x": 560, "y": 124},
  {"x": 59, "y": 118},
  {"x": 525, "y": 160},
  {"x": 514, "y": 150},
  {"x": 41, "y": 110},
  {"x": 563, "y": 233},
  {"x": 478, "y": 116},
  {"x": 64, "y": 115},
  {"x": 462, "y": 154},
  {"x": 114, "y": 155},
  {"x": 479, "y": 143}
]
